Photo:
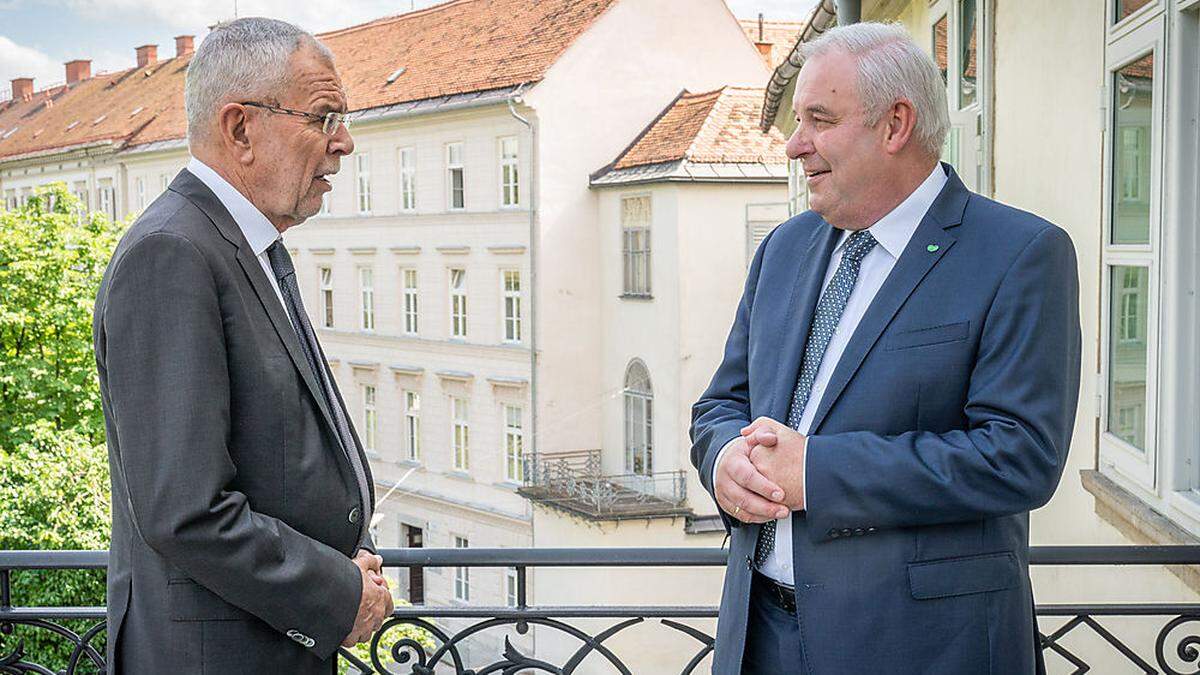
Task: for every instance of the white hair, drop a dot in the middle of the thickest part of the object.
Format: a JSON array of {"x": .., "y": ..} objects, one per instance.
[
  {"x": 891, "y": 67},
  {"x": 241, "y": 60}
]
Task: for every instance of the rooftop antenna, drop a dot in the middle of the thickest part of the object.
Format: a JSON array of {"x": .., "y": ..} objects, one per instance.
[{"x": 760, "y": 26}]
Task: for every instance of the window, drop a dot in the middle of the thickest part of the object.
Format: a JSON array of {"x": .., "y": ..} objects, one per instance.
[
  {"x": 81, "y": 192},
  {"x": 511, "y": 595},
  {"x": 139, "y": 192},
  {"x": 961, "y": 35},
  {"x": 460, "y": 433},
  {"x": 458, "y": 303},
  {"x": 326, "y": 297},
  {"x": 362, "y": 165},
  {"x": 509, "y": 184},
  {"x": 370, "y": 418},
  {"x": 325, "y": 204},
  {"x": 1131, "y": 255},
  {"x": 1126, "y": 7},
  {"x": 366, "y": 285},
  {"x": 408, "y": 179},
  {"x": 454, "y": 176},
  {"x": 462, "y": 575},
  {"x": 164, "y": 181},
  {"x": 514, "y": 444},
  {"x": 512, "y": 305},
  {"x": 10, "y": 199},
  {"x": 635, "y": 244},
  {"x": 639, "y": 439},
  {"x": 411, "y": 301},
  {"x": 412, "y": 425},
  {"x": 106, "y": 198}
]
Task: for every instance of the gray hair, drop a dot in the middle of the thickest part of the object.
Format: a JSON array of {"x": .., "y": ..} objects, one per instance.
[
  {"x": 892, "y": 67},
  {"x": 240, "y": 60}
]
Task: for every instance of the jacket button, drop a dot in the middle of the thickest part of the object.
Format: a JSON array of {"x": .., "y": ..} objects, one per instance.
[
  {"x": 846, "y": 532},
  {"x": 354, "y": 515},
  {"x": 749, "y": 563},
  {"x": 832, "y": 533},
  {"x": 858, "y": 532},
  {"x": 870, "y": 530}
]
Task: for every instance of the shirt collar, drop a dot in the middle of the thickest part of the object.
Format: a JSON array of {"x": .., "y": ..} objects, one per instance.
[
  {"x": 895, "y": 229},
  {"x": 259, "y": 231}
]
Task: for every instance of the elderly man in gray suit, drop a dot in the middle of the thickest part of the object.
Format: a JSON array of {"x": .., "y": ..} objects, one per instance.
[{"x": 241, "y": 496}]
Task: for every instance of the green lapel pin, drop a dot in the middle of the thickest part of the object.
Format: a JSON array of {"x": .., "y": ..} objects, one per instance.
[{"x": 932, "y": 248}]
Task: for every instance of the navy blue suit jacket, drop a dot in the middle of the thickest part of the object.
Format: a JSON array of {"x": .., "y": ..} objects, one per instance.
[{"x": 945, "y": 422}]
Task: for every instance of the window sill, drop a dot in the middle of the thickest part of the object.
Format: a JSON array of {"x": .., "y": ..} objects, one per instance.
[
  {"x": 372, "y": 454},
  {"x": 508, "y": 484},
  {"x": 459, "y": 474},
  {"x": 409, "y": 462},
  {"x": 1137, "y": 520},
  {"x": 636, "y": 296}
]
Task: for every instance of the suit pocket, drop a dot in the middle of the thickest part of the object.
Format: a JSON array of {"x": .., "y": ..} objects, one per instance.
[
  {"x": 193, "y": 602},
  {"x": 963, "y": 576},
  {"x": 924, "y": 337}
]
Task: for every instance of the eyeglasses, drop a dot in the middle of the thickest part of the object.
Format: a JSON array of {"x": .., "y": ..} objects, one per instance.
[{"x": 330, "y": 121}]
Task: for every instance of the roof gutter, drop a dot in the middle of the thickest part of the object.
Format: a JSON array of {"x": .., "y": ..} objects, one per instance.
[{"x": 823, "y": 16}]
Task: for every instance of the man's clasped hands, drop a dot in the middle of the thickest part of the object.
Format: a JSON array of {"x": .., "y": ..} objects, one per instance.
[{"x": 760, "y": 477}]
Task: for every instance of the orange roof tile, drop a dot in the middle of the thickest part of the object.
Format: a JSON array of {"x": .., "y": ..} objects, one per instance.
[
  {"x": 456, "y": 47},
  {"x": 780, "y": 34},
  {"x": 716, "y": 127}
]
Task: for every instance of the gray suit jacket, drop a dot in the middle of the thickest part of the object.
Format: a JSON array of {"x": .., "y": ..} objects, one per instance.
[{"x": 235, "y": 510}]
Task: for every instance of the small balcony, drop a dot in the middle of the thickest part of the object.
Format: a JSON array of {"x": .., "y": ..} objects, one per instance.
[{"x": 573, "y": 482}]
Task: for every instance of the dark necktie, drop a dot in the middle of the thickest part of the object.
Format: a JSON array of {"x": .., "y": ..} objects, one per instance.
[
  {"x": 820, "y": 332},
  {"x": 285, "y": 274}
]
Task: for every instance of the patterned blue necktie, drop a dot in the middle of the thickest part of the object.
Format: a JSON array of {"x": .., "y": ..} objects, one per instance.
[{"x": 824, "y": 323}]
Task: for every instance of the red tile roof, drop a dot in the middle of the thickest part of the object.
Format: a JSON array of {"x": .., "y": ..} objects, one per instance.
[
  {"x": 456, "y": 47},
  {"x": 715, "y": 127}
]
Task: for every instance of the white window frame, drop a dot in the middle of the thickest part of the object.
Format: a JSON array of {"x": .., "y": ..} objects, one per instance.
[
  {"x": 325, "y": 278},
  {"x": 513, "y": 442},
  {"x": 1140, "y": 468},
  {"x": 106, "y": 197},
  {"x": 462, "y": 575},
  {"x": 370, "y": 418},
  {"x": 412, "y": 424},
  {"x": 139, "y": 191},
  {"x": 511, "y": 300},
  {"x": 362, "y": 180},
  {"x": 460, "y": 433},
  {"x": 164, "y": 181},
  {"x": 458, "y": 303},
  {"x": 639, "y": 261},
  {"x": 366, "y": 288},
  {"x": 511, "y": 587},
  {"x": 975, "y": 121},
  {"x": 509, "y": 171},
  {"x": 454, "y": 162},
  {"x": 410, "y": 281},
  {"x": 406, "y": 162}
]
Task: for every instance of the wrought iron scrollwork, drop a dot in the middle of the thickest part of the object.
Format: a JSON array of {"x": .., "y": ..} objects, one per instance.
[
  {"x": 82, "y": 652},
  {"x": 1187, "y": 650}
]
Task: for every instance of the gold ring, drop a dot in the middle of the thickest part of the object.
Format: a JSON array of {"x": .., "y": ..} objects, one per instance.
[{"x": 736, "y": 510}]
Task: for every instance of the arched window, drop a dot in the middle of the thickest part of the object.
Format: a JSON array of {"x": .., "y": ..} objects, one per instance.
[{"x": 639, "y": 402}]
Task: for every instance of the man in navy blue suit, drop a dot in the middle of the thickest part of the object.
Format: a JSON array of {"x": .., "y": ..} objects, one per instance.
[{"x": 897, "y": 393}]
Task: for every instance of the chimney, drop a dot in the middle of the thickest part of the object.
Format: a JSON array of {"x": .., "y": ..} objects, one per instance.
[
  {"x": 147, "y": 55},
  {"x": 22, "y": 88},
  {"x": 78, "y": 70},
  {"x": 183, "y": 45}
]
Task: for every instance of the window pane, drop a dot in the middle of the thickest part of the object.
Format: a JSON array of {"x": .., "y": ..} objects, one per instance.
[
  {"x": 1126, "y": 7},
  {"x": 968, "y": 29},
  {"x": 1130, "y": 296},
  {"x": 1133, "y": 98},
  {"x": 940, "y": 43}
]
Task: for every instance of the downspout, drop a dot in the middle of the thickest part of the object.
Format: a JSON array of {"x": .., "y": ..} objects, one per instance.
[
  {"x": 513, "y": 101},
  {"x": 848, "y": 12}
]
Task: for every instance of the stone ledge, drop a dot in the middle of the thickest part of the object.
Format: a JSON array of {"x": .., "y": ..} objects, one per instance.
[{"x": 1138, "y": 521}]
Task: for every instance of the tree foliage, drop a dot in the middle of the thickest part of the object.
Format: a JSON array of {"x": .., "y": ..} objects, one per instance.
[{"x": 51, "y": 261}]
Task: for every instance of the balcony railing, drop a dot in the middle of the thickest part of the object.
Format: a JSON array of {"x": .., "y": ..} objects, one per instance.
[
  {"x": 573, "y": 482},
  {"x": 1175, "y": 644}
]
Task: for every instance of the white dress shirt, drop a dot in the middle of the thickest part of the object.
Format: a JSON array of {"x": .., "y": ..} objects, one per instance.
[
  {"x": 892, "y": 233},
  {"x": 259, "y": 231}
]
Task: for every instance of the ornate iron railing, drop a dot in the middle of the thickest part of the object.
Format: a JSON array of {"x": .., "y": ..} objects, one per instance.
[
  {"x": 573, "y": 481},
  {"x": 441, "y": 650}
]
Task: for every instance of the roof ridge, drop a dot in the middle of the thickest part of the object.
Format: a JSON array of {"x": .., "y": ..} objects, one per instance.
[
  {"x": 708, "y": 120},
  {"x": 642, "y": 134}
]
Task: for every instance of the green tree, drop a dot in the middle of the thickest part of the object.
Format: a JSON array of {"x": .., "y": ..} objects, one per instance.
[
  {"x": 55, "y": 495},
  {"x": 51, "y": 261}
]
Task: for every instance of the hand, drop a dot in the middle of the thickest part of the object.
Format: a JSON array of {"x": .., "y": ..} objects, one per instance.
[
  {"x": 777, "y": 452},
  {"x": 742, "y": 491},
  {"x": 375, "y": 606}
]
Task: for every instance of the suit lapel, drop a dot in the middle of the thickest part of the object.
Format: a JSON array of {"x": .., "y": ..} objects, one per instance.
[
  {"x": 801, "y": 304},
  {"x": 196, "y": 191},
  {"x": 914, "y": 263}
]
